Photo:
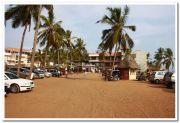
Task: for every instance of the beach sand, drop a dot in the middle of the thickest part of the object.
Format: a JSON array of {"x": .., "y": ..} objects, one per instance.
[{"x": 80, "y": 96}]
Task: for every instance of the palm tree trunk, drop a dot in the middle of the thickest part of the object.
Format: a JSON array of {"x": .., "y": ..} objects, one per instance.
[
  {"x": 114, "y": 57},
  {"x": 45, "y": 58},
  {"x": 35, "y": 41},
  {"x": 58, "y": 57},
  {"x": 21, "y": 47},
  {"x": 67, "y": 57}
]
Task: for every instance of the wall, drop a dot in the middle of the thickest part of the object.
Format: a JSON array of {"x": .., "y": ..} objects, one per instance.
[
  {"x": 141, "y": 59},
  {"x": 132, "y": 74}
]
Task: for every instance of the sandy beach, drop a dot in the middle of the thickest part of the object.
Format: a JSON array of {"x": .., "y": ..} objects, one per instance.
[{"x": 80, "y": 96}]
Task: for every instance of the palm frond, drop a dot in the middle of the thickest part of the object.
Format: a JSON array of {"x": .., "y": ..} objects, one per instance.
[
  {"x": 132, "y": 27},
  {"x": 129, "y": 41}
]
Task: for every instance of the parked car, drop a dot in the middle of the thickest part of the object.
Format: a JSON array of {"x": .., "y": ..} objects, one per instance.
[
  {"x": 173, "y": 80},
  {"x": 54, "y": 72},
  {"x": 141, "y": 76},
  {"x": 169, "y": 79},
  {"x": 113, "y": 75},
  {"x": 6, "y": 89},
  {"x": 39, "y": 73},
  {"x": 47, "y": 74},
  {"x": 157, "y": 76},
  {"x": 17, "y": 84},
  {"x": 24, "y": 73}
]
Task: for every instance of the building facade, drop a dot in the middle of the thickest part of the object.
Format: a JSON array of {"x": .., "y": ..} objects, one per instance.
[
  {"x": 12, "y": 56},
  {"x": 102, "y": 61},
  {"x": 141, "y": 59}
]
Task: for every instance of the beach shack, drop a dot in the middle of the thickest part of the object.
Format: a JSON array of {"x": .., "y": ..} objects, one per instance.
[{"x": 128, "y": 68}]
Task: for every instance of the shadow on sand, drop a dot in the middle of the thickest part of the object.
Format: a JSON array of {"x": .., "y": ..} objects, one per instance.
[
  {"x": 153, "y": 85},
  {"x": 162, "y": 86}
]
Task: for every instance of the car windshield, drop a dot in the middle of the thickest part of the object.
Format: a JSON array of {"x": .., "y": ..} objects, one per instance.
[
  {"x": 41, "y": 71},
  {"x": 25, "y": 70},
  {"x": 115, "y": 72},
  {"x": 153, "y": 73},
  {"x": 11, "y": 76}
]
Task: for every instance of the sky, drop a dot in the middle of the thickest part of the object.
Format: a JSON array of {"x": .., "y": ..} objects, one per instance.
[{"x": 155, "y": 26}]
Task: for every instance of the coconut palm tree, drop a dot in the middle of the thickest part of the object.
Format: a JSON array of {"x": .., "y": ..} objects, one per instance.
[
  {"x": 168, "y": 58},
  {"x": 37, "y": 15},
  {"x": 39, "y": 56},
  {"x": 51, "y": 33},
  {"x": 69, "y": 44},
  {"x": 80, "y": 52},
  {"x": 20, "y": 16},
  {"x": 159, "y": 55},
  {"x": 116, "y": 35}
]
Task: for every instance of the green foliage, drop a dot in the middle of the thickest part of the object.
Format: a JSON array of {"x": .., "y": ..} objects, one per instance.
[
  {"x": 80, "y": 53},
  {"x": 168, "y": 58},
  {"x": 163, "y": 57},
  {"x": 116, "y": 35}
]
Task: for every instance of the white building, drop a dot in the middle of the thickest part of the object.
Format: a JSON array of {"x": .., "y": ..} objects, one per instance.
[
  {"x": 12, "y": 56},
  {"x": 141, "y": 59}
]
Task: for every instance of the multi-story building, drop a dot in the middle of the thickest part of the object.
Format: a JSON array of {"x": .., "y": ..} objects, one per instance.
[
  {"x": 99, "y": 61},
  {"x": 141, "y": 59},
  {"x": 12, "y": 56}
]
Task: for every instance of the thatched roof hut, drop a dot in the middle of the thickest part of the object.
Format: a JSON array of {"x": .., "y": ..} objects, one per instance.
[{"x": 129, "y": 62}]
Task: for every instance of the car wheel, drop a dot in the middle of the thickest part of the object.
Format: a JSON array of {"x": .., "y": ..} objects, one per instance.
[
  {"x": 14, "y": 88},
  {"x": 157, "y": 81},
  {"x": 116, "y": 78}
]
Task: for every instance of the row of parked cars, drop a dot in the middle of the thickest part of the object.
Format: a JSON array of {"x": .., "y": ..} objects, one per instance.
[
  {"x": 37, "y": 73},
  {"x": 15, "y": 84},
  {"x": 168, "y": 78}
]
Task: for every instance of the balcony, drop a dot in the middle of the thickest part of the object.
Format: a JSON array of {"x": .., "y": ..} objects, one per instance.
[
  {"x": 8, "y": 54},
  {"x": 93, "y": 60}
]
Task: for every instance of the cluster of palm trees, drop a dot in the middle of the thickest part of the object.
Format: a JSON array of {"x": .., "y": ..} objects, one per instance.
[
  {"x": 116, "y": 37},
  {"x": 48, "y": 33},
  {"x": 162, "y": 57}
]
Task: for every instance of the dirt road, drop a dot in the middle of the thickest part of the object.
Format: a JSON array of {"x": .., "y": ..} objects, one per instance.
[{"x": 88, "y": 96}]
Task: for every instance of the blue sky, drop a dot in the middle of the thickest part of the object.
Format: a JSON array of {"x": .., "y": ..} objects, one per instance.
[{"x": 155, "y": 26}]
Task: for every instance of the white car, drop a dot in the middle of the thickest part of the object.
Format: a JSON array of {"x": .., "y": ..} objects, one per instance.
[
  {"x": 173, "y": 80},
  {"x": 47, "y": 74},
  {"x": 157, "y": 76},
  {"x": 17, "y": 84}
]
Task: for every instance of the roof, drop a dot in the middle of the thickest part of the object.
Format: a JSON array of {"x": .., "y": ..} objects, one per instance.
[
  {"x": 106, "y": 54},
  {"x": 128, "y": 62},
  {"x": 16, "y": 50}
]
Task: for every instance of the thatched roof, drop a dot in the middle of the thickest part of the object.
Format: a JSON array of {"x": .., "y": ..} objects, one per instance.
[{"x": 128, "y": 62}]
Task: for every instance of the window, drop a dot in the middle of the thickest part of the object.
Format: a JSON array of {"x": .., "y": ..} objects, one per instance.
[
  {"x": 11, "y": 76},
  {"x": 159, "y": 73},
  {"x": 13, "y": 69}
]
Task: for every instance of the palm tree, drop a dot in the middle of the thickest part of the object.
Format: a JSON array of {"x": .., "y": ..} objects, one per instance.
[
  {"x": 50, "y": 35},
  {"x": 80, "y": 50},
  {"x": 69, "y": 44},
  {"x": 159, "y": 55},
  {"x": 80, "y": 53},
  {"x": 168, "y": 58},
  {"x": 21, "y": 16},
  {"x": 116, "y": 35},
  {"x": 37, "y": 23},
  {"x": 39, "y": 56}
]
